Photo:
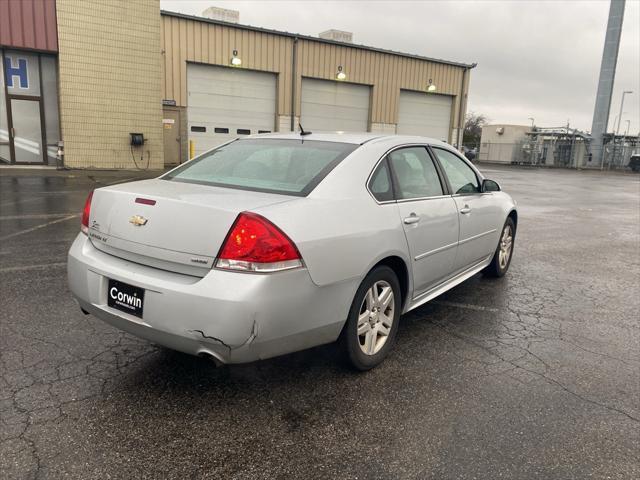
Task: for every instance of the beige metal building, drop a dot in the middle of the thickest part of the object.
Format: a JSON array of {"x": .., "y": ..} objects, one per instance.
[
  {"x": 78, "y": 78},
  {"x": 282, "y": 79}
]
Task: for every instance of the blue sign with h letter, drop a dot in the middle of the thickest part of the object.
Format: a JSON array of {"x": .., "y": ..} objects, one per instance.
[{"x": 19, "y": 71}]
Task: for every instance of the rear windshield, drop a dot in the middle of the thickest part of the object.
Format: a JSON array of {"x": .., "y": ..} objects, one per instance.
[{"x": 292, "y": 167}]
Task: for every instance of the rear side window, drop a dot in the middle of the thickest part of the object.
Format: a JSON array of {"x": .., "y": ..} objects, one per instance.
[
  {"x": 416, "y": 175},
  {"x": 461, "y": 176},
  {"x": 380, "y": 183},
  {"x": 292, "y": 167}
]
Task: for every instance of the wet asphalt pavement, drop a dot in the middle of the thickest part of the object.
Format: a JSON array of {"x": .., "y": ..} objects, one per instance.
[{"x": 536, "y": 375}]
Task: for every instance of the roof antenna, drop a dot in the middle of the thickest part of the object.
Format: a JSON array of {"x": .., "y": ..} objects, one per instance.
[{"x": 302, "y": 132}]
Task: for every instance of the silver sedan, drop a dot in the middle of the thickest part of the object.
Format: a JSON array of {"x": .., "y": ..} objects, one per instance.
[{"x": 272, "y": 244}]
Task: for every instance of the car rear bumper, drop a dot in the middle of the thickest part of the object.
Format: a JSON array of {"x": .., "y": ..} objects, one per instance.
[{"x": 236, "y": 317}]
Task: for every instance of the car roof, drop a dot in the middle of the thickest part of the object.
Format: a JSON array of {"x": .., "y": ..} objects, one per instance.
[{"x": 354, "y": 138}]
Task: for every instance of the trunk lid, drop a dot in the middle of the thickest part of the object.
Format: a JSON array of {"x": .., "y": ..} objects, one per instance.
[{"x": 182, "y": 231}]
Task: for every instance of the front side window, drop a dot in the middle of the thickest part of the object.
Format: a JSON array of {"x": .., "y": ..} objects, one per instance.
[
  {"x": 415, "y": 173},
  {"x": 461, "y": 176},
  {"x": 292, "y": 167}
]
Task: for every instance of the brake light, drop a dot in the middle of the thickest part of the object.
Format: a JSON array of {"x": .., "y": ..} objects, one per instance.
[
  {"x": 254, "y": 244},
  {"x": 84, "y": 227}
]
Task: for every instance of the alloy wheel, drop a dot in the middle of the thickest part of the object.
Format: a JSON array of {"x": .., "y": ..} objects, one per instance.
[
  {"x": 506, "y": 245},
  {"x": 375, "y": 317}
]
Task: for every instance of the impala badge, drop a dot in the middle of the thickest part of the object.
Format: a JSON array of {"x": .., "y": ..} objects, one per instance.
[{"x": 138, "y": 221}]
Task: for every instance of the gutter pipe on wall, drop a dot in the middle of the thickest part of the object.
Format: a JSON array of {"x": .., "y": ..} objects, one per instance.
[
  {"x": 294, "y": 74},
  {"x": 465, "y": 81}
]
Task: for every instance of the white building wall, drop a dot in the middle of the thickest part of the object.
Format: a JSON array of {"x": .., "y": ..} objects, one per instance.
[{"x": 498, "y": 142}]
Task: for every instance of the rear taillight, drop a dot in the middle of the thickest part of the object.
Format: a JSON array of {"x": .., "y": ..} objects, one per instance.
[
  {"x": 254, "y": 244},
  {"x": 84, "y": 227}
]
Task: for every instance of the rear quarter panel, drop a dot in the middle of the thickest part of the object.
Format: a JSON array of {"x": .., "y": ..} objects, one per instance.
[
  {"x": 340, "y": 230},
  {"x": 341, "y": 239}
]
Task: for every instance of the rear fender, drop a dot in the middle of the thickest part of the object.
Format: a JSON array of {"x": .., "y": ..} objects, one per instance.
[{"x": 340, "y": 240}]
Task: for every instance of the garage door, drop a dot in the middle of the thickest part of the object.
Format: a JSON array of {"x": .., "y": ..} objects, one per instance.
[
  {"x": 424, "y": 114},
  {"x": 334, "y": 106},
  {"x": 225, "y": 103}
]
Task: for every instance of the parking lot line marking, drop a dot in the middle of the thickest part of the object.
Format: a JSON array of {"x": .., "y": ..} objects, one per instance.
[
  {"x": 38, "y": 227},
  {"x": 467, "y": 306},
  {"x": 35, "y": 216},
  {"x": 25, "y": 200},
  {"x": 32, "y": 267}
]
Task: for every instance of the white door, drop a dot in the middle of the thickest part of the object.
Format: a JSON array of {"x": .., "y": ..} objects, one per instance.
[
  {"x": 429, "y": 217},
  {"x": 225, "y": 103},
  {"x": 425, "y": 114},
  {"x": 334, "y": 106},
  {"x": 480, "y": 213}
]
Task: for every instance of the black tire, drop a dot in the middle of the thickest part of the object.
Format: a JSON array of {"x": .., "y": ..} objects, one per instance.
[
  {"x": 350, "y": 341},
  {"x": 495, "y": 269}
]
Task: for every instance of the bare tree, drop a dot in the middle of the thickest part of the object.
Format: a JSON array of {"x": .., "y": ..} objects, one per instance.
[{"x": 473, "y": 124}]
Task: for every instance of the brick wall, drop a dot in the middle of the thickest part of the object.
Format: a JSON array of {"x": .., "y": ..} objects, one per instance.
[{"x": 110, "y": 82}]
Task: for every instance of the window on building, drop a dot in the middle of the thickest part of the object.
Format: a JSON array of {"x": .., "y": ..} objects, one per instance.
[
  {"x": 48, "y": 65},
  {"x": 29, "y": 90},
  {"x": 22, "y": 73}
]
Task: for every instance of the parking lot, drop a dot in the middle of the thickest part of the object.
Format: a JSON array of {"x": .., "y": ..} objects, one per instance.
[{"x": 536, "y": 375}]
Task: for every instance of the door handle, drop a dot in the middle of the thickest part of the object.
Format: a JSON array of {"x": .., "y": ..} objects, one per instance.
[
  {"x": 413, "y": 218},
  {"x": 13, "y": 132},
  {"x": 464, "y": 210}
]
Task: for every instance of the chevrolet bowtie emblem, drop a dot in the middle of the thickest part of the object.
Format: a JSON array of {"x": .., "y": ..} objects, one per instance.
[{"x": 138, "y": 220}]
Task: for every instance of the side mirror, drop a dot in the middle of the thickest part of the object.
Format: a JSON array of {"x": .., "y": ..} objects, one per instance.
[{"x": 490, "y": 186}]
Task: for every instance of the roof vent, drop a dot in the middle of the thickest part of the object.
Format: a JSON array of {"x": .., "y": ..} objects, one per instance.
[
  {"x": 337, "y": 36},
  {"x": 222, "y": 14}
]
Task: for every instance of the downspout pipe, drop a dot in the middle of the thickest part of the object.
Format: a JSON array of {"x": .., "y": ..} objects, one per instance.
[
  {"x": 461, "y": 109},
  {"x": 294, "y": 75}
]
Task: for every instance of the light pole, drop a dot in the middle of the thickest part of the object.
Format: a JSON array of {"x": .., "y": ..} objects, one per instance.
[
  {"x": 621, "y": 105},
  {"x": 533, "y": 121}
]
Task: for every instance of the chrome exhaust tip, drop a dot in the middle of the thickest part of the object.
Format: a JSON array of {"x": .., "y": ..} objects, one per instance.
[{"x": 212, "y": 357}]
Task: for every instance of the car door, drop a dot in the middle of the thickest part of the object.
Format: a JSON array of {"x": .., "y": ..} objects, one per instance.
[
  {"x": 479, "y": 213},
  {"x": 429, "y": 216}
]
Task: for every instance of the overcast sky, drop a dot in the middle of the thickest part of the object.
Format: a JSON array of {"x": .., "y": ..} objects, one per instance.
[{"x": 537, "y": 59}]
